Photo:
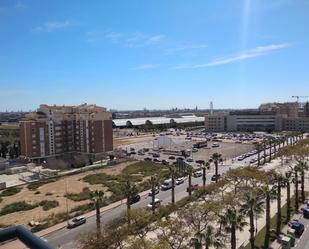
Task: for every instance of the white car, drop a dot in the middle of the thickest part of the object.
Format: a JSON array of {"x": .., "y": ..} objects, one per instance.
[
  {"x": 189, "y": 159},
  {"x": 197, "y": 173},
  {"x": 157, "y": 203},
  {"x": 180, "y": 180}
]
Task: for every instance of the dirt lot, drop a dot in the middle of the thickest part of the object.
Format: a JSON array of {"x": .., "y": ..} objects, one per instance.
[
  {"x": 132, "y": 140},
  {"x": 74, "y": 184}
]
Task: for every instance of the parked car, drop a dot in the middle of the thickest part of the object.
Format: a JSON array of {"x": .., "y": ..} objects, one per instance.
[
  {"x": 297, "y": 226},
  {"x": 189, "y": 159},
  {"x": 180, "y": 180},
  {"x": 197, "y": 174},
  {"x": 155, "y": 192},
  {"x": 215, "y": 145},
  {"x": 157, "y": 203},
  {"x": 135, "y": 199},
  {"x": 167, "y": 184},
  {"x": 215, "y": 177},
  {"x": 156, "y": 155},
  {"x": 194, "y": 150},
  {"x": 147, "y": 159},
  {"x": 164, "y": 162},
  {"x": 192, "y": 187},
  {"x": 77, "y": 221},
  {"x": 171, "y": 158},
  {"x": 156, "y": 160}
]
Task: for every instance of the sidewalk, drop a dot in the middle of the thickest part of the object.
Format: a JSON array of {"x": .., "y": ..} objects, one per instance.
[{"x": 16, "y": 244}]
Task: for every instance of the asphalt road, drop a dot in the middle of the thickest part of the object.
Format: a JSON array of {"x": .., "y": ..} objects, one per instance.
[
  {"x": 303, "y": 241},
  {"x": 68, "y": 238}
]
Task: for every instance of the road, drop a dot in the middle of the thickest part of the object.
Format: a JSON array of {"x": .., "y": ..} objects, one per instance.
[
  {"x": 303, "y": 241},
  {"x": 68, "y": 238}
]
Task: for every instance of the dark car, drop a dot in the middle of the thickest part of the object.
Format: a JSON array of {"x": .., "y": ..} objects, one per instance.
[
  {"x": 135, "y": 199},
  {"x": 155, "y": 155},
  {"x": 77, "y": 221},
  {"x": 164, "y": 162},
  {"x": 148, "y": 159},
  {"x": 171, "y": 158},
  {"x": 215, "y": 177},
  {"x": 192, "y": 187},
  {"x": 298, "y": 227},
  {"x": 156, "y": 160}
]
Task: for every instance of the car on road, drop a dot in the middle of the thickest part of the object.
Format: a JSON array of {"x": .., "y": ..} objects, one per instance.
[
  {"x": 192, "y": 187},
  {"x": 180, "y": 180},
  {"x": 197, "y": 173},
  {"x": 147, "y": 159},
  {"x": 157, "y": 203},
  {"x": 164, "y": 162},
  {"x": 167, "y": 184},
  {"x": 135, "y": 199},
  {"x": 194, "y": 150},
  {"x": 156, "y": 160},
  {"x": 240, "y": 158},
  {"x": 156, "y": 191},
  {"x": 215, "y": 145},
  {"x": 171, "y": 158},
  {"x": 156, "y": 155},
  {"x": 298, "y": 227},
  {"x": 215, "y": 177},
  {"x": 77, "y": 221},
  {"x": 189, "y": 159}
]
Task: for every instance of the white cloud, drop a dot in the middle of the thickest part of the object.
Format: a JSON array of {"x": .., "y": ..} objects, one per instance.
[
  {"x": 156, "y": 39},
  {"x": 144, "y": 67},
  {"x": 54, "y": 25},
  {"x": 20, "y": 5},
  {"x": 113, "y": 36},
  {"x": 255, "y": 52},
  {"x": 190, "y": 47}
]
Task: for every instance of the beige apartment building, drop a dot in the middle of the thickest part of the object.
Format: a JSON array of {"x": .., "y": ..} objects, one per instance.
[
  {"x": 55, "y": 130},
  {"x": 269, "y": 117}
]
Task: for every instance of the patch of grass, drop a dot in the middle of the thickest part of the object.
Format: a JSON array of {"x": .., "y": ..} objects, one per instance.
[
  {"x": 35, "y": 185},
  {"x": 146, "y": 169},
  {"x": 84, "y": 195},
  {"x": 40, "y": 227},
  {"x": 17, "y": 207},
  {"x": 46, "y": 205},
  {"x": 10, "y": 191}
]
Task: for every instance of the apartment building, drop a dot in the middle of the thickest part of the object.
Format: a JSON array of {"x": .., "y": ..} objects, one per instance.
[{"x": 55, "y": 130}]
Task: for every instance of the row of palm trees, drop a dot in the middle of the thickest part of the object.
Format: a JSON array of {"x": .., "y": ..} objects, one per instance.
[{"x": 274, "y": 144}]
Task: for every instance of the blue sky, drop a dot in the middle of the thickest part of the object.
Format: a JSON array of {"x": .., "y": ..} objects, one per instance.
[{"x": 156, "y": 54}]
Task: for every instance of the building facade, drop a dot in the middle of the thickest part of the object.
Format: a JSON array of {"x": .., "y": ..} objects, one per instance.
[{"x": 55, "y": 130}]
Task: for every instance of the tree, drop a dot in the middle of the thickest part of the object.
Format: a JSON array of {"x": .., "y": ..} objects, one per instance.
[
  {"x": 154, "y": 183},
  {"x": 269, "y": 193},
  {"x": 232, "y": 220},
  {"x": 130, "y": 191},
  {"x": 216, "y": 158},
  {"x": 97, "y": 199},
  {"x": 189, "y": 172},
  {"x": 259, "y": 148},
  {"x": 252, "y": 207},
  {"x": 172, "y": 173},
  {"x": 286, "y": 182},
  {"x": 279, "y": 180},
  {"x": 210, "y": 238},
  {"x": 205, "y": 166}
]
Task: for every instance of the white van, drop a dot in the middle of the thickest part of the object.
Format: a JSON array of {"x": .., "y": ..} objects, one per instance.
[{"x": 167, "y": 184}]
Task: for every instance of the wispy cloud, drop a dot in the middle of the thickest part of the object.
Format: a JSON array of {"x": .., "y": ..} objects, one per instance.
[
  {"x": 255, "y": 52},
  {"x": 189, "y": 47},
  {"x": 19, "y": 5},
  {"x": 144, "y": 67},
  {"x": 53, "y": 26},
  {"x": 155, "y": 39},
  {"x": 113, "y": 36}
]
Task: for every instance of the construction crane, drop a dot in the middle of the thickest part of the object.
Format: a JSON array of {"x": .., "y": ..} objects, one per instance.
[{"x": 297, "y": 97}]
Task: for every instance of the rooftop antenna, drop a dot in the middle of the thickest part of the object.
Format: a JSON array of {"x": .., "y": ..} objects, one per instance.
[{"x": 211, "y": 107}]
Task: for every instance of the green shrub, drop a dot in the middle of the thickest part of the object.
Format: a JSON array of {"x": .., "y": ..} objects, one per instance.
[
  {"x": 84, "y": 195},
  {"x": 37, "y": 192},
  {"x": 49, "y": 193},
  {"x": 39, "y": 227},
  {"x": 16, "y": 207},
  {"x": 35, "y": 185},
  {"x": 46, "y": 205},
  {"x": 146, "y": 169},
  {"x": 10, "y": 191}
]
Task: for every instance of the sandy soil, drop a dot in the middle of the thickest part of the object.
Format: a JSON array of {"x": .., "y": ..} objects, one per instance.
[
  {"x": 132, "y": 140},
  {"x": 74, "y": 184}
]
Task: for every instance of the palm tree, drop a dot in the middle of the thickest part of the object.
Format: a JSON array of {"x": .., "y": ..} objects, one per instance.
[
  {"x": 130, "y": 191},
  {"x": 209, "y": 237},
  {"x": 253, "y": 206},
  {"x": 97, "y": 199},
  {"x": 296, "y": 170},
  {"x": 270, "y": 145},
  {"x": 232, "y": 221},
  {"x": 302, "y": 166},
  {"x": 172, "y": 173},
  {"x": 189, "y": 171},
  {"x": 269, "y": 194},
  {"x": 259, "y": 148},
  {"x": 216, "y": 158},
  {"x": 264, "y": 152},
  {"x": 154, "y": 183},
  {"x": 279, "y": 179},
  {"x": 287, "y": 181},
  {"x": 205, "y": 166}
]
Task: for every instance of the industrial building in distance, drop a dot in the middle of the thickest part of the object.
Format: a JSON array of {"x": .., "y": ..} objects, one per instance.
[
  {"x": 56, "y": 130},
  {"x": 269, "y": 117}
]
